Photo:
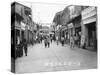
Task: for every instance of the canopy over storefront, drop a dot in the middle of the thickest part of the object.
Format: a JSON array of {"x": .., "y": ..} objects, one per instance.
[{"x": 89, "y": 15}]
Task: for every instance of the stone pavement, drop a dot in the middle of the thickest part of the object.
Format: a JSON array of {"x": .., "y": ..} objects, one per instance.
[{"x": 55, "y": 58}]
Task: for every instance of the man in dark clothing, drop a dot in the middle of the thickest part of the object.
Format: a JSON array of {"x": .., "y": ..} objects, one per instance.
[
  {"x": 62, "y": 41},
  {"x": 20, "y": 49},
  {"x": 48, "y": 44},
  {"x": 48, "y": 41},
  {"x": 45, "y": 42},
  {"x": 79, "y": 38},
  {"x": 25, "y": 47}
]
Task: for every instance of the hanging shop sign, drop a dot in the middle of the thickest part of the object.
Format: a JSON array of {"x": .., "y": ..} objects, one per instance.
[
  {"x": 23, "y": 26},
  {"x": 70, "y": 25},
  {"x": 89, "y": 15}
]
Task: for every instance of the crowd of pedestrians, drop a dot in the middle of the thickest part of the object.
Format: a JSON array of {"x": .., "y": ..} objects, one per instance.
[{"x": 21, "y": 48}]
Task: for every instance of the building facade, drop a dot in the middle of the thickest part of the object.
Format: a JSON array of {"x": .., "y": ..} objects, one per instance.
[
  {"x": 89, "y": 27},
  {"x": 21, "y": 22},
  {"x": 79, "y": 20},
  {"x": 61, "y": 18}
]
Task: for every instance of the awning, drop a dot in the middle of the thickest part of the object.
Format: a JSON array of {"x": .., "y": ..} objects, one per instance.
[
  {"x": 90, "y": 19},
  {"x": 75, "y": 18},
  {"x": 89, "y": 15}
]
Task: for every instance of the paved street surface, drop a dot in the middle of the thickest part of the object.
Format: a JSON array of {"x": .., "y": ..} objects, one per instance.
[{"x": 55, "y": 58}]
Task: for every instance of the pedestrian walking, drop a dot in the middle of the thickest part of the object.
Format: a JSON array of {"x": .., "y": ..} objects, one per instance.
[
  {"x": 25, "y": 46},
  {"x": 18, "y": 48},
  {"x": 57, "y": 40},
  {"x": 48, "y": 41},
  {"x": 71, "y": 42},
  {"x": 62, "y": 41},
  {"x": 79, "y": 39},
  {"x": 45, "y": 42},
  {"x": 76, "y": 39},
  {"x": 41, "y": 39},
  {"x": 51, "y": 39},
  {"x": 21, "y": 49},
  {"x": 83, "y": 42}
]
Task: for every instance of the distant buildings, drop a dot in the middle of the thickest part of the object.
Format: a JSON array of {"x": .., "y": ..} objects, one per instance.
[{"x": 44, "y": 30}]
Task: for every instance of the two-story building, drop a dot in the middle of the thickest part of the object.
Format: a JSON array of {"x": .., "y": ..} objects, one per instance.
[{"x": 21, "y": 22}]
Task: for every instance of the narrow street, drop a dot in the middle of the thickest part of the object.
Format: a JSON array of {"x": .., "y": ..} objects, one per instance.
[
  {"x": 55, "y": 58},
  {"x": 33, "y": 23}
]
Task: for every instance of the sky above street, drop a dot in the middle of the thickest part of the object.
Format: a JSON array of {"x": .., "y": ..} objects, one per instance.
[{"x": 44, "y": 12}]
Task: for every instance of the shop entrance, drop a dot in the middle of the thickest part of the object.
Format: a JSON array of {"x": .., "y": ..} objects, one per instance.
[
  {"x": 17, "y": 36},
  {"x": 92, "y": 34}
]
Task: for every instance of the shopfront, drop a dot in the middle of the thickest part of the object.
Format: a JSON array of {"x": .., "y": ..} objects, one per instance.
[
  {"x": 89, "y": 28},
  {"x": 64, "y": 31},
  {"x": 91, "y": 34},
  {"x": 70, "y": 29}
]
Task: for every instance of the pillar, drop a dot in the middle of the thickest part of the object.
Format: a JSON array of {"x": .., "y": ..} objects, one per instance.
[{"x": 84, "y": 34}]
